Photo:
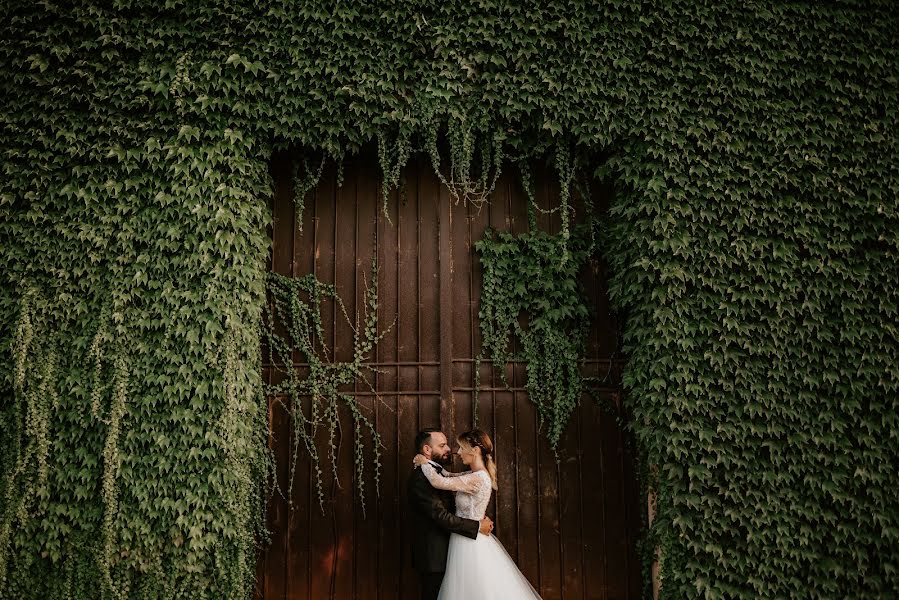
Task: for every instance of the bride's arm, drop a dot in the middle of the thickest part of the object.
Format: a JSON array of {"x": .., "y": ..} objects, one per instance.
[
  {"x": 425, "y": 501},
  {"x": 468, "y": 483}
]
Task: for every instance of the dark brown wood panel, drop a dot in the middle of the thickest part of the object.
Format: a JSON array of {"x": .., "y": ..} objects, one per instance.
[{"x": 571, "y": 526}]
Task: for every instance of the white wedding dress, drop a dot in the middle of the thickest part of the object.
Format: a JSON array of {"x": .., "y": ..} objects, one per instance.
[{"x": 480, "y": 568}]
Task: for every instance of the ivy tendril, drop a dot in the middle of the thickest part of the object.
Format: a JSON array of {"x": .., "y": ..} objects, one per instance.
[{"x": 296, "y": 310}]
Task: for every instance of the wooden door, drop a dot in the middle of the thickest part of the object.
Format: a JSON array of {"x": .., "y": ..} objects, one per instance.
[{"x": 571, "y": 526}]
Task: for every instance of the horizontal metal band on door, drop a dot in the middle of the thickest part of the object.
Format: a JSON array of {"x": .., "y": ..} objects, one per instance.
[
  {"x": 436, "y": 393},
  {"x": 616, "y": 361}
]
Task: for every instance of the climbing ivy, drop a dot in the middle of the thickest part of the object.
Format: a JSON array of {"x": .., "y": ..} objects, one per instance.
[
  {"x": 305, "y": 178},
  {"x": 470, "y": 180},
  {"x": 754, "y": 153},
  {"x": 296, "y": 308},
  {"x": 533, "y": 278}
]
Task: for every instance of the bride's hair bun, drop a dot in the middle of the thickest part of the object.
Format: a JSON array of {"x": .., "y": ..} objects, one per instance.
[{"x": 479, "y": 438}]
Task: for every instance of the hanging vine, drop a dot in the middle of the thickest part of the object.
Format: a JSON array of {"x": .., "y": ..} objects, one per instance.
[
  {"x": 535, "y": 275},
  {"x": 567, "y": 165},
  {"x": 305, "y": 181},
  {"x": 527, "y": 184},
  {"x": 296, "y": 308},
  {"x": 467, "y": 181},
  {"x": 392, "y": 159},
  {"x": 22, "y": 340},
  {"x": 565, "y": 168},
  {"x": 35, "y": 397},
  {"x": 111, "y": 464}
]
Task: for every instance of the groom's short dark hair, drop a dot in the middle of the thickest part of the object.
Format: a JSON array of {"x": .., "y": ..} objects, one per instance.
[{"x": 423, "y": 437}]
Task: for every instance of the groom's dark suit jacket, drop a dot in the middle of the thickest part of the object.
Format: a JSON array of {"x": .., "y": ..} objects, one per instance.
[{"x": 433, "y": 519}]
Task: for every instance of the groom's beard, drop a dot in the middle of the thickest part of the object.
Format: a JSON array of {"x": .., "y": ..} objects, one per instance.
[{"x": 446, "y": 459}]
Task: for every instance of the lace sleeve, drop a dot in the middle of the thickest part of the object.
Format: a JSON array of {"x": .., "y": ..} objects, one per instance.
[{"x": 468, "y": 483}]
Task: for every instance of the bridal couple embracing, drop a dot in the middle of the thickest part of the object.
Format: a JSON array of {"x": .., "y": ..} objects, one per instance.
[{"x": 453, "y": 550}]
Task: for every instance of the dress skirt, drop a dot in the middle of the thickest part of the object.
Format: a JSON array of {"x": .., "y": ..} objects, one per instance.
[{"x": 481, "y": 569}]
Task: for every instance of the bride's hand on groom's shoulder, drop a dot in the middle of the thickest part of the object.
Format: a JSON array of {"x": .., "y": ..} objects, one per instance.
[{"x": 419, "y": 460}]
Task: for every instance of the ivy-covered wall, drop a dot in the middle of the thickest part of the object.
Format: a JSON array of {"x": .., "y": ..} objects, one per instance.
[{"x": 755, "y": 149}]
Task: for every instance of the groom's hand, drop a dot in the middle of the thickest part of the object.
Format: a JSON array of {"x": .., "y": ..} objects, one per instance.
[{"x": 486, "y": 526}]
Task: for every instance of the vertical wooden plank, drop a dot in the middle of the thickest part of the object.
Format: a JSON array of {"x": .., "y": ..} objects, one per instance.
[
  {"x": 325, "y": 249},
  {"x": 429, "y": 259},
  {"x": 508, "y": 500},
  {"x": 549, "y": 527},
  {"x": 299, "y": 514},
  {"x": 528, "y": 449},
  {"x": 590, "y": 275},
  {"x": 365, "y": 551},
  {"x": 408, "y": 419},
  {"x": 506, "y": 523},
  {"x": 407, "y": 293},
  {"x": 345, "y": 266},
  {"x": 407, "y": 427},
  {"x": 496, "y": 216},
  {"x": 592, "y": 525},
  {"x": 616, "y": 498},
  {"x": 390, "y": 502},
  {"x": 447, "y": 401},
  {"x": 476, "y": 224},
  {"x": 321, "y": 530},
  {"x": 460, "y": 302},
  {"x": 528, "y": 519},
  {"x": 616, "y": 533},
  {"x": 311, "y": 496},
  {"x": 501, "y": 219},
  {"x": 388, "y": 293},
  {"x": 570, "y": 494},
  {"x": 392, "y": 495},
  {"x": 345, "y": 499},
  {"x": 596, "y": 573}
]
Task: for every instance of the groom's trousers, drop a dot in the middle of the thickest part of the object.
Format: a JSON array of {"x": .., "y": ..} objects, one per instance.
[{"x": 430, "y": 585}]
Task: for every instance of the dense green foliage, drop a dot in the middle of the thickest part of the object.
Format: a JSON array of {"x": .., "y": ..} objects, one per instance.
[
  {"x": 755, "y": 150},
  {"x": 531, "y": 290}
]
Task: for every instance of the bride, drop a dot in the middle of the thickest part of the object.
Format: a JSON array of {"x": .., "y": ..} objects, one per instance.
[{"x": 480, "y": 568}]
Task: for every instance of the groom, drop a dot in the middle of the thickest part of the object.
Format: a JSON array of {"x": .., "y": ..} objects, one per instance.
[{"x": 433, "y": 515}]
